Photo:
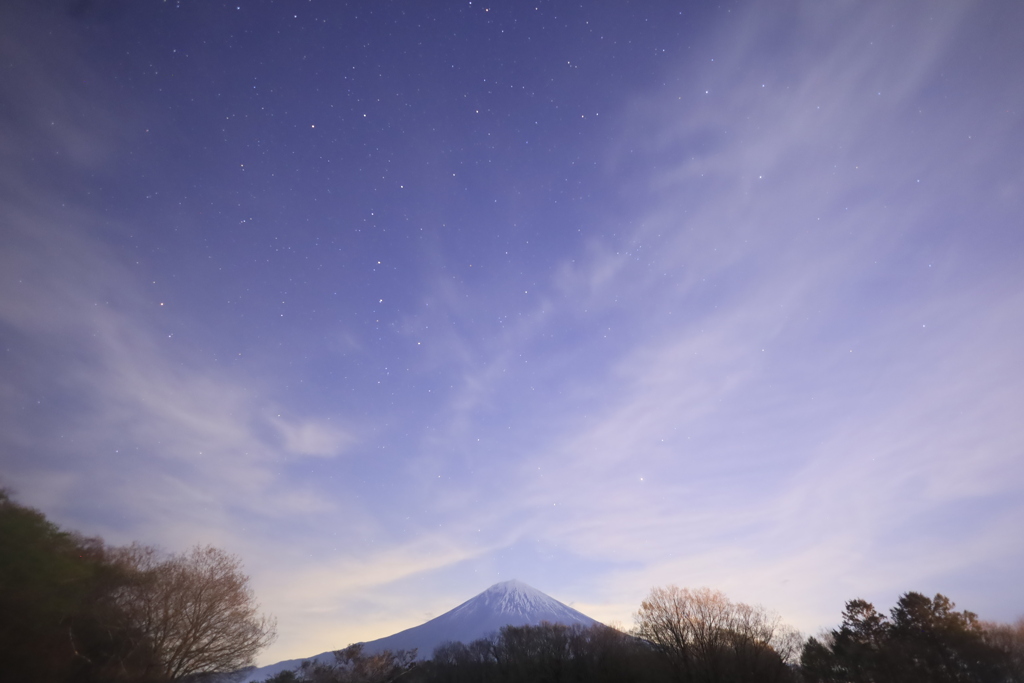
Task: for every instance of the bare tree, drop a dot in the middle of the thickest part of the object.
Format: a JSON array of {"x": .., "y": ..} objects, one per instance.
[
  {"x": 195, "y": 612},
  {"x": 1008, "y": 639},
  {"x": 707, "y": 637}
]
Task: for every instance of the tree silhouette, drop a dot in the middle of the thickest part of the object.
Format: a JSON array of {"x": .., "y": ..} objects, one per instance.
[
  {"x": 195, "y": 611},
  {"x": 706, "y": 637},
  {"x": 924, "y": 640}
]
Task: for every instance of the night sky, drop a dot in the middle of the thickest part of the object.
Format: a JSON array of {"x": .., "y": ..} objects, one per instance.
[{"x": 396, "y": 300}]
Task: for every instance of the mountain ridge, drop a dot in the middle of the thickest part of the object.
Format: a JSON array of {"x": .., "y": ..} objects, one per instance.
[{"x": 507, "y": 603}]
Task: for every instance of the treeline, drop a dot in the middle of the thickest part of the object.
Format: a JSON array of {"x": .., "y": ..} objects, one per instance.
[
  {"x": 680, "y": 635},
  {"x": 75, "y": 610},
  {"x": 923, "y": 640},
  {"x": 683, "y": 636},
  {"x": 548, "y": 652}
]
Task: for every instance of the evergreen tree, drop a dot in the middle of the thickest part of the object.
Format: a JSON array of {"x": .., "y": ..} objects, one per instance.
[{"x": 924, "y": 640}]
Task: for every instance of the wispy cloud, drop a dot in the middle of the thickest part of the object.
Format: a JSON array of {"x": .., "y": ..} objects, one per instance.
[
  {"x": 784, "y": 363},
  {"x": 800, "y": 366},
  {"x": 104, "y": 400}
]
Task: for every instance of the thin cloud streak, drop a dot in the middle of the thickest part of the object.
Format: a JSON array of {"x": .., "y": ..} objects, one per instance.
[
  {"x": 778, "y": 364},
  {"x": 751, "y": 359}
]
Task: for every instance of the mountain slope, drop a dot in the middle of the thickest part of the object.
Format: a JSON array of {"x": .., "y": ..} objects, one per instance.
[{"x": 510, "y": 603}]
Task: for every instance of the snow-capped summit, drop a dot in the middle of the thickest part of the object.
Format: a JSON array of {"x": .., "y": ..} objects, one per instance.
[
  {"x": 515, "y": 603},
  {"x": 509, "y": 603}
]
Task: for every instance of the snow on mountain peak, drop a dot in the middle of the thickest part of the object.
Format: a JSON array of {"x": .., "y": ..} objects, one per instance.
[
  {"x": 517, "y": 598},
  {"x": 509, "y": 603}
]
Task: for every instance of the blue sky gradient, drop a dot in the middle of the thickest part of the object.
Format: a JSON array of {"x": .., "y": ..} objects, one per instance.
[{"x": 396, "y": 301}]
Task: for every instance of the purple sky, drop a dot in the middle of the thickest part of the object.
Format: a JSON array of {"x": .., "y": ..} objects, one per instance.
[{"x": 396, "y": 300}]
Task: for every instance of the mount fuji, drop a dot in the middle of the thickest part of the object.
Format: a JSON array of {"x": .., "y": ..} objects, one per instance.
[{"x": 510, "y": 603}]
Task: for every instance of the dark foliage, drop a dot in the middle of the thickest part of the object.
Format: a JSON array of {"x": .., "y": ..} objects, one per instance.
[
  {"x": 548, "y": 653},
  {"x": 57, "y": 622},
  {"x": 1008, "y": 639},
  {"x": 922, "y": 641},
  {"x": 74, "y": 611},
  {"x": 352, "y": 666}
]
